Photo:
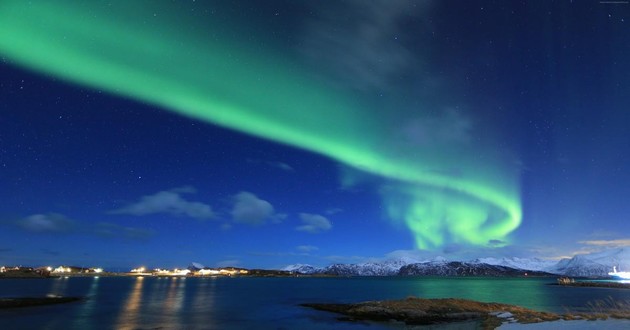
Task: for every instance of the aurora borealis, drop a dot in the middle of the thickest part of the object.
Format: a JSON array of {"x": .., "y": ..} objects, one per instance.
[{"x": 448, "y": 167}]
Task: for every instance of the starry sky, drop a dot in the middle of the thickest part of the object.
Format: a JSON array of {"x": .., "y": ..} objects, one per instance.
[{"x": 262, "y": 134}]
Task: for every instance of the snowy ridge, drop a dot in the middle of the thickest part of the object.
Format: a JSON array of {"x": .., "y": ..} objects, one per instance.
[
  {"x": 519, "y": 263},
  {"x": 594, "y": 264},
  {"x": 587, "y": 265}
]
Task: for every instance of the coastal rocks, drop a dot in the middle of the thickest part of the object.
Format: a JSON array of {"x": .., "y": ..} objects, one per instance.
[
  {"x": 35, "y": 301},
  {"x": 418, "y": 311}
]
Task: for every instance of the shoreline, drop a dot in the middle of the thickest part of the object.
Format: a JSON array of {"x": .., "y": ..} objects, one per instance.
[
  {"x": 420, "y": 311},
  {"x": 110, "y": 274},
  {"x": 22, "y": 302},
  {"x": 591, "y": 284}
]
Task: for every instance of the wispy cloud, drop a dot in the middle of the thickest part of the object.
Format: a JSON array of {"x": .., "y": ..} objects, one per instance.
[
  {"x": 276, "y": 164},
  {"x": 169, "y": 202},
  {"x": 250, "y": 209},
  {"x": 333, "y": 210},
  {"x": 228, "y": 263},
  {"x": 111, "y": 230},
  {"x": 307, "y": 248},
  {"x": 362, "y": 41},
  {"x": 47, "y": 223},
  {"x": 50, "y": 252},
  {"x": 608, "y": 243},
  {"x": 56, "y": 223},
  {"x": 313, "y": 223},
  {"x": 281, "y": 165},
  {"x": 496, "y": 242}
]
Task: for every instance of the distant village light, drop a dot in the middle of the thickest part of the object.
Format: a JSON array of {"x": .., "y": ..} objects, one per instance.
[
  {"x": 62, "y": 269},
  {"x": 138, "y": 270}
]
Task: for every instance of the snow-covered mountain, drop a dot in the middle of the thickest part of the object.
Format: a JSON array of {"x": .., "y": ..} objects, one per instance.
[
  {"x": 302, "y": 269},
  {"x": 535, "y": 264},
  {"x": 458, "y": 268},
  {"x": 595, "y": 264},
  {"x": 434, "y": 267}
]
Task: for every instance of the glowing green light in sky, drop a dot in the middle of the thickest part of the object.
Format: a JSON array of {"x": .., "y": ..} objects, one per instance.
[{"x": 183, "y": 66}]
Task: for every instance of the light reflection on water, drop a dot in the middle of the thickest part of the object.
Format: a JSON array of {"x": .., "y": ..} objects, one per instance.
[
  {"x": 174, "y": 301},
  {"x": 129, "y": 316},
  {"x": 260, "y": 303},
  {"x": 505, "y": 290},
  {"x": 204, "y": 296},
  {"x": 88, "y": 307},
  {"x": 59, "y": 286}
]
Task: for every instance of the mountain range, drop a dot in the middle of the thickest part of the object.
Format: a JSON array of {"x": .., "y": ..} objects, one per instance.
[{"x": 582, "y": 265}]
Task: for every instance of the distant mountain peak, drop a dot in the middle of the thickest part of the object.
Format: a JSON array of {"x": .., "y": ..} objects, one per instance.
[{"x": 594, "y": 264}]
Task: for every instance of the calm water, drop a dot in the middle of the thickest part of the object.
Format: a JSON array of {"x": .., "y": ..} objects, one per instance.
[{"x": 258, "y": 303}]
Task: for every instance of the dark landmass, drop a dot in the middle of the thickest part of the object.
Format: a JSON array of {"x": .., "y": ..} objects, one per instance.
[
  {"x": 615, "y": 285},
  {"x": 419, "y": 311},
  {"x": 430, "y": 268},
  {"x": 456, "y": 268},
  {"x": 35, "y": 301},
  {"x": 270, "y": 273},
  {"x": 24, "y": 274}
]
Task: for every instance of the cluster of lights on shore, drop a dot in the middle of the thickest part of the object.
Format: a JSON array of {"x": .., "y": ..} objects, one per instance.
[
  {"x": 140, "y": 271},
  {"x": 187, "y": 272}
]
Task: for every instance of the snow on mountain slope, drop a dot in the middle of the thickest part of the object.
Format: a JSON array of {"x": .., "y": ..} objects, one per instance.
[
  {"x": 589, "y": 265},
  {"x": 301, "y": 268},
  {"x": 519, "y": 263},
  {"x": 594, "y": 264}
]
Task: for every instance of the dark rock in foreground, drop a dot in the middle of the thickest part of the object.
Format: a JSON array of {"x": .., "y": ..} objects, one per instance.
[
  {"x": 614, "y": 285},
  {"x": 418, "y": 311},
  {"x": 35, "y": 301}
]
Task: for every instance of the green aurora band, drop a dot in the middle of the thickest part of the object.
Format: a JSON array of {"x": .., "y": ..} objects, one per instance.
[{"x": 172, "y": 62}]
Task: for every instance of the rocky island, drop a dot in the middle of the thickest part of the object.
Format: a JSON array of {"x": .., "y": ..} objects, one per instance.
[
  {"x": 35, "y": 301},
  {"x": 419, "y": 311}
]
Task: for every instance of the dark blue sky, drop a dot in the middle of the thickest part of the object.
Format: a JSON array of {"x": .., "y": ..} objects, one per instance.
[{"x": 533, "y": 95}]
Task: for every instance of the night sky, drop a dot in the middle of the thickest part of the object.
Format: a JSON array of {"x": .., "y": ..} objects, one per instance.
[{"x": 267, "y": 133}]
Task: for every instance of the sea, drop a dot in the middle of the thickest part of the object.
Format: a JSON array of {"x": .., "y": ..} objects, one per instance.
[{"x": 269, "y": 302}]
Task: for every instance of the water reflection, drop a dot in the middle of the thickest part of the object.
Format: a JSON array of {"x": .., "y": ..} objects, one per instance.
[
  {"x": 173, "y": 302},
  {"x": 129, "y": 315},
  {"x": 519, "y": 291},
  {"x": 203, "y": 302},
  {"x": 59, "y": 286},
  {"x": 88, "y": 307}
]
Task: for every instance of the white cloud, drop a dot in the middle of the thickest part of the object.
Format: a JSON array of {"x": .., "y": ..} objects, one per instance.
[
  {"x": 276, "y": 164},
  {"x": 169, "y": 202},
  {"x": 362, "y": 41},
  {"x": 307, "y": 248},
  {"x": 250, "y": 209},
  {"x": 281, "y": 165},
  {"x": 228, "y": 263},
  {"x": 333, "y": 210},
  {"x": 42, "y": 223},
  {"x": 608, "y": 243},
  {"x": 105, "y": 229},
  {"x": 449, "y": 127},
  {"x": 313, "y": 223}
]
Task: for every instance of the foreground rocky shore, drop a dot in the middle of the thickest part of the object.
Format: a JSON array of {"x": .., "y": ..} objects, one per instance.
[
  {"x": 583, "y": 284},
  {"x": 419, "y": 311},
  {"x": 35, "y": 301}
]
